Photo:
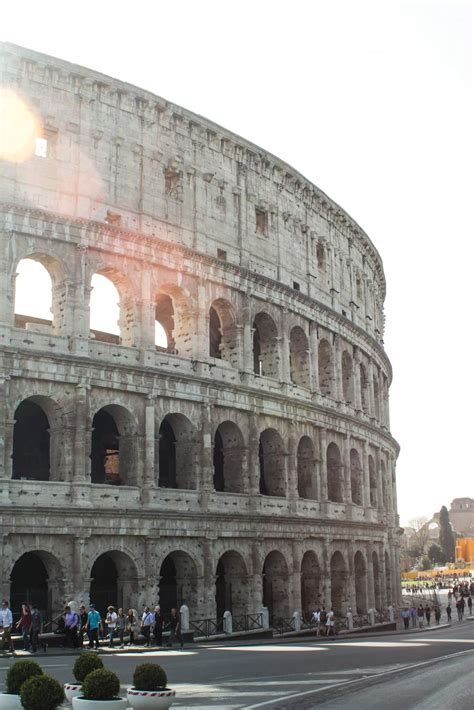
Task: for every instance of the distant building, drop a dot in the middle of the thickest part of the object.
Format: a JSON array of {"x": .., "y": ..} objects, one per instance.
[
  {"x": 465, "y": 549},
  {"x": 461, "y": 515}
]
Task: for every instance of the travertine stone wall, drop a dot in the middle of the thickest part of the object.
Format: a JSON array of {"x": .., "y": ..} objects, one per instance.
[{"x": 175, "y": 209}]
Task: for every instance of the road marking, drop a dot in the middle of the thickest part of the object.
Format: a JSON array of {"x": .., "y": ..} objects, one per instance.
[{"x": 270, "y": 649}]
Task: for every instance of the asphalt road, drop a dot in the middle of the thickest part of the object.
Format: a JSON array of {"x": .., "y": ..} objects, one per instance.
[{"x": 306, "y": 674}]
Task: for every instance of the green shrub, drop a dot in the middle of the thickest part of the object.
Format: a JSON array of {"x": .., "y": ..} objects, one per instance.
[
  {"x": 41, "y": 693},
  {"x": 101, "y": 685},
  {"x": 149, "y": 676},
  {"x": 19, "y": 672},
  {"x": 84, "y": 664}
]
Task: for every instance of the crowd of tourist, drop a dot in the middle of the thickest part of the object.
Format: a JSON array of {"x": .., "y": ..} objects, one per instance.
[{"x": 87, "y": 627}]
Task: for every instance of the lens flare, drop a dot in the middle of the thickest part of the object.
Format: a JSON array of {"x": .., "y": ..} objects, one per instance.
[{"x": 19, "y": 127}]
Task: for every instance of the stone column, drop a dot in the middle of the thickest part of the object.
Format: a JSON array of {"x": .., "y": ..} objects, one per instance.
[
  {"x": 205, "y": 479},
  {"x": 366, "y": 474},
  {"x": 351, "y": 591},
  {"x": 150, "y": 477},
  {"x": 82, "y": 435},
  {"x": 80, "y": 575},
  {"x": 7, "y": 280},
  {"x": 256, "y": 580},
  {"x": 4, "y": 391},
  {"x": 383, "y": 577},
  {"x": 295, "y": 581},
  {"x": 378, "y": 472},
  {"x": 253, "y": 461},
  {"x": 80, "y": 293},
  {"x": 150, "y": 571},
  {"x": 323, "y": 472},
  {"x": 8, "y": 428},
  {"x": 208, "y": 582},
  {"x": 370, "y": 579},
  {"x": 285, "y": 373},
  {"x": 370, "y": 390},
  {"x": 292, "y": 469},
  {"x": 247, "y": 335},
  {"x": 357, "y": 382},
  {"x": 314, "y": 358},
  {"x": 325, "y": 574},
  {"x": 337, "y": 363},
  {"x": 346, "y": 459}
]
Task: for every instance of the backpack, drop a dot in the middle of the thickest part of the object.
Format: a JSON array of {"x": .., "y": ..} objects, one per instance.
[{"x": 323, "y": 617}]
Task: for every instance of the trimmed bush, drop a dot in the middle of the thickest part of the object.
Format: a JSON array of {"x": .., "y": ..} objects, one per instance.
[
  {"x": 19, "y": 672},
  {"x": 149, "y": 676},
  {"x": 101, "y": 685},
  {"x": 84, "y": 664},
  {"x": 41, "y": 693}
]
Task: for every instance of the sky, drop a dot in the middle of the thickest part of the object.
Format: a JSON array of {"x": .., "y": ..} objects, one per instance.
[{"x": 372, "y": 102}]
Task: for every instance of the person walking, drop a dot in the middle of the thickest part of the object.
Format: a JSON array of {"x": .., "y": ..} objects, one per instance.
[
  {"x": 469, "y": 603},
  {"x": 131, "y": 626},
  {"x": 330, "y": 623},
  {"x": 82, "y": 624},
  {"x": 93, "y": 626},
  {"x": 316, "y": 619},
  {"x": 158, "y": 626},
  {"x": 111, "y": 623},
  {"x": 437, "y": 614},
  {"x": 448, "y": 612},
  {"x": 147, "y": 621},
  {"x": 413, "y": 615},
  {"x": 405, "y": 614},
  {"x": 421, "y": 616},
  {"x": 6, "y": 623},
  {"x": 36, "y": 629},
  {"x": 121, "y": 625},
  {"x": 24, "y": 624},
  {"x": 175, "y": 629},
  {"x": 71, "y": 623},
  {"x": 428, "y": 614}
]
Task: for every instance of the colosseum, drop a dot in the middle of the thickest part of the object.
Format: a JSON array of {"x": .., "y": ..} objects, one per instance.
[{"x": 241, "y": 460}]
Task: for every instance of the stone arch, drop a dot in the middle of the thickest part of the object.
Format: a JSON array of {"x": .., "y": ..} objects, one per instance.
[
  {"x": 57, "y": 296},
  {"x": 114, "y": 581},
  {"x": 325, "y": 368},
  {"x": 232, "y": 590},
  {"x": 179, "y": 318},
  {"x": 310, "y": 584},
  {"x": 377, "y": 589},
  {"x": 356, "y": 478},
  {"x": 347, "y": 377},
  {"x": 299, "y": 357},
  {"x": 127, "y": 315},
  {"x": 266, "y": 358},
  {"x": 305, "y": 458},
  {"x": 272, "y": 464},
  {"x": 164, "y": 323},
  {"x": 364, "y": 385},
  {"x": 388, "y": 579},
  {"x": 114, "y": 446},
  {"x": 178, "y": 582},
  {"x": 37, "y": 435},
  {"x": 223, "y": 332},
  {"x": 339, "y": 583},
  {"x": 372, "y": 482},
  {"x": 275, "y": 587},
  {"x": 37, "y": 577},
  {"x": 228, "y": 459},
  {"x": 360, "y": 579},
  {"x": 335, "y": 475},
  {"x": 177, "y": 453}
]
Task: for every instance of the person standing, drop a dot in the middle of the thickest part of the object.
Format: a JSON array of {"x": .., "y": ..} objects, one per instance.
[
  {"x": 330, "y": 623},
  {"x": 121, "y": 624},
  {"x": 448, "y": 612},
  {"x": 147, "y": 622},
  {"x": 469, "y": 603},
  {"x": 82, "y": 624},
  {"x": 413, "y": 617},
  {"x": 428, "y": 614},
  {"x": 437, "y": 614},
  {"x": 111, "y": 622},
  {"x": 6, "y": 623},
  {"x": 421, "y": 615},
  {"x": 25, "y": 625},
  {"x": 175, "y": 626},
  {"x": 71, "y": 622},
  {"x": 316, "y": 618},
  {"x": 36, "y": 629},
  {"x": 406, "y": 618},
  {"x": 93, "y": 625},
  {"x": 158, "y": 626},
  {"x": 131, "y": 626}
]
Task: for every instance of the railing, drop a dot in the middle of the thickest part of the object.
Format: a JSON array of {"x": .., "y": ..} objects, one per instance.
[
  {"x": 282, "y": 626},
  {"x": 247, "y": 622},
  {"x": 360, "y": 620},
  {"x": 381, "y": 616},
  {"x": 207, "y": 627},
  {"x": 216, "y": 626}
]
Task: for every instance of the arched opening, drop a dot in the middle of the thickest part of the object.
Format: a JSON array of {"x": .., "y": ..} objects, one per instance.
[
  {"x": 275, "y": 587},
  {"x": 347, "y": 378},
  {"x": 363, "y": 388},
  {"x": 388, "y": 579},
  {"x": 36, "y": 578},
  {"x": 228, "y": 459},
  {"x": 104, "y": 310},
  {"x": 356, "y": 478},
  {"x": 307, "y": 484},
  {"x": 114, "y": 581},
  {"x": 372, "y": 482},
  {"x": 177, "y": 453},
  {"x": 376, "y": 399},
  {"x": 164, "y": 324},
  {"x": 325, "y": 369},
  {"x": 265, "y": 346},
  {"x": 223, "y": 332},
  {"x": 178, "y": 582},
  {"x": 231, "y": 585},
  {"x": 377, "y": 591},
  {"x": 339, "y": 594},
  {"x": 113, "y": 451},
  {"x": 335, "y": 474},
  {"x": 272, "y": 464},
  {"x": 321, "y": 255},
  {"x": 360, "y": 572},
  {"x": 36, "y": 307},
  {"x": 299, "y": 357},
  {"x": 310, "y": 584},
  {"x": 31, "y": 442}
]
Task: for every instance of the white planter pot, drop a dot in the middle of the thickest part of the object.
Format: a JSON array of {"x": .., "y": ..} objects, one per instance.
[
  {"x": 79, "y": 703},
  {"x": 72, "y": 690},
  {"x": 8, "y": 701},
  {"x": 150, "y": 699}
]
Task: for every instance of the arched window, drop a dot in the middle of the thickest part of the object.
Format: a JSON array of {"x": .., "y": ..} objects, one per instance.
[
  {"x": 373, "y": 482},
  {"x": 228, "y": 459},
  {"x": 272, "y": 464},
  {"x": 33, "y": 305},
  {"x": 31, "y": 442},
  {"x": 265, "y": 346},
  {"x": 177, "y": 453},
  {"x": 325, "y": 368},
  {"x": 363, "y": 387},
  {"x": 321, "y": 255},
  {"x": 335, "y": 474},
  {"x": 307, "y": 484},
  {"x": 360, "y": 574},
  {"x": 347, "y": 378},
  {"x": 275, "y": 587},
  {"x": 113, "y": 453},
  {"x": 104, "y": 310},
  {"x": 299, "y": 357},
  {"x": 223, "y": 332},
  {"x": 164, "y": 323}
]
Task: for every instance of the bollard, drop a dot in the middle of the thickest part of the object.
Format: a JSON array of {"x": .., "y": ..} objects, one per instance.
[
  {"x": 350, "y": 620},
  {"x": 227, "y": 622},
  {"x": 184, "y": 611},
  {"x": 371, "y": 613},
  {"x": 265, "y": 617},
  {"x": 297, "y": 620},
  {"x": 391, "y": 612}
]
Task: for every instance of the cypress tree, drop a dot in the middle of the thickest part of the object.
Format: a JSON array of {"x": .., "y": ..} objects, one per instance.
[{"x": 446, "y": 537}]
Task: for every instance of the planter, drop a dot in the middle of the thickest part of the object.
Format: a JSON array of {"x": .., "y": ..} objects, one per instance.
[
  {"x": 72, "y": 690},
  {"x": 9, "y": 701},
  {"x": 79, "y": 703},
  {"x": 150, "y": 699}
]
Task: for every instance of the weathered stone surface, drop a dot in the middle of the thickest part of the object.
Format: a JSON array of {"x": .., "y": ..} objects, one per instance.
[{"x": 274, "y": 385}]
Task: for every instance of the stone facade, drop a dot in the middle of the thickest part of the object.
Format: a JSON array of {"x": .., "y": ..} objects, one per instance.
[{"x": 250, "y": 461}]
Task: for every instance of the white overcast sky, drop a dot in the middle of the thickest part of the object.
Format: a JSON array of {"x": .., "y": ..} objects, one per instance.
[{"x": 371, "y": 101}]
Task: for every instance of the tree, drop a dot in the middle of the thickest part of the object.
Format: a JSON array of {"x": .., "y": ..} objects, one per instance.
[
  {"x": 425, "y": 562},
  {"x": 420, "y": 536},
  {"x": 446, "y": 537},
  {"x": 435, "y": 553}
]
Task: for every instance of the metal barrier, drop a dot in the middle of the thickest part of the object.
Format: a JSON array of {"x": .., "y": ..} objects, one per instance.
[
  {"x": 247, "y": 622},
  {"x": 214, "y": 627}
]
